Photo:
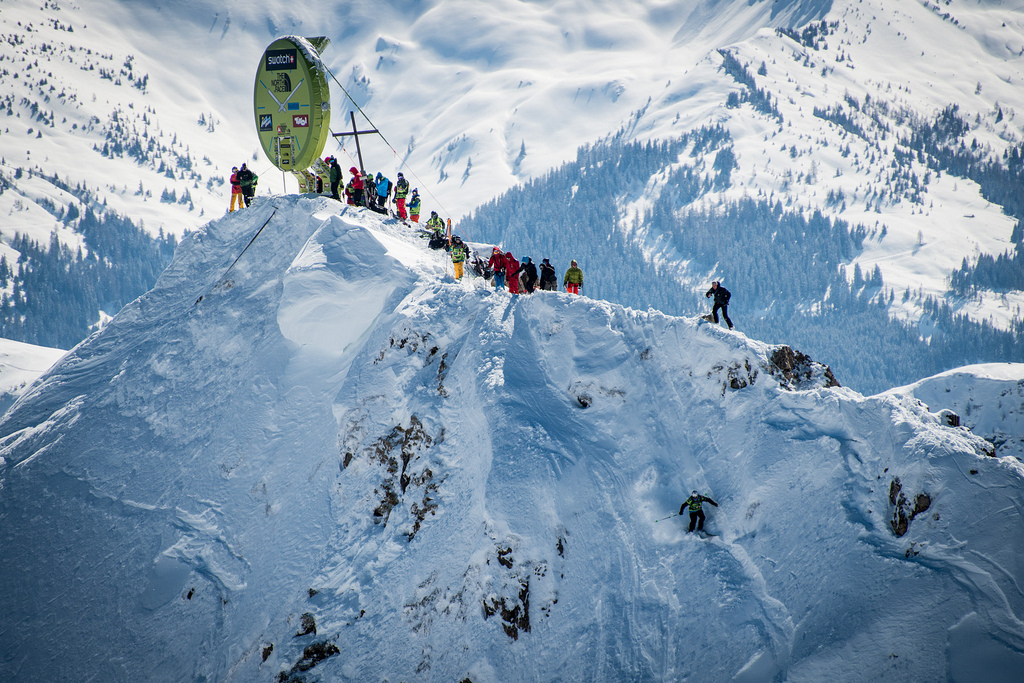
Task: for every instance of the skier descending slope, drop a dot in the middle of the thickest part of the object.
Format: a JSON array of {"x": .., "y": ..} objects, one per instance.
[{"x": 695, "y": 504}]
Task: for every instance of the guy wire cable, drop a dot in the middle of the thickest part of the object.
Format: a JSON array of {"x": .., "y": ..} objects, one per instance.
[{"x": 419, "y": 180}]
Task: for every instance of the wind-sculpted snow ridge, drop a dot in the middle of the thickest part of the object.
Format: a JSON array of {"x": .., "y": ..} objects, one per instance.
[{"x": 339, "y": 464}]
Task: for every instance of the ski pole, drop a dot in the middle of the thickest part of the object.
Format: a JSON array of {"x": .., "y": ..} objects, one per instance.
[{"x": 664, "y": 518}]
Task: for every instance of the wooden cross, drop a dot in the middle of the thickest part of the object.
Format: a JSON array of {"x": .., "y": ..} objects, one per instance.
[{"x": 356, "y": 133}]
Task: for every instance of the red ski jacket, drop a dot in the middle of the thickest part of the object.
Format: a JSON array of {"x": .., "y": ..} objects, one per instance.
[{"x": 511, "y": 266}]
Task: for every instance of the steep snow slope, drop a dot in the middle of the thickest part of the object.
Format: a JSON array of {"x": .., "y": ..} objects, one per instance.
[
  {"x": 335, "y": 463},
  {"x": 988, "y": 398}
]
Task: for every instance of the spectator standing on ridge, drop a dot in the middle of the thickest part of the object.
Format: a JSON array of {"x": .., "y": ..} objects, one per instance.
[
  {"x": 414, "y": 206},
  {"x": 573, "y": 279},
  {"x": 548, "y": 276},
  {"x": 511, "y": 270},
  {"x": 357, "y": 186},
  {"x": 401, "y": 192},
  {"x": 497, "y": 264},
  {"x": 383, "y": 192},
  {"x": 529, "y": 272},
  {"x": 694, "y": 504},
  {"x": 247, "y": 181},
  {"x": 369, "y": 191},
  {"x": 459, "y": 254},
  {"x": 335, "y": 178},
  {"x": 236, "y": 190},
  {"x": 435, "y": 224},
  {"x": 722, "y": 296}
]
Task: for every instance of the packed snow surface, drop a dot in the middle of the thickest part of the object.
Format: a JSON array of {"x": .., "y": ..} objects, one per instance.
[{"x": 331, "y": 461}]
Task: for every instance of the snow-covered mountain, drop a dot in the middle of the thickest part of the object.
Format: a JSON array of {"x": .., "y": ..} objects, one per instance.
[
  {"x": 988, "y": 398},
  {"x": 149, "y": 105},
  {"x": 330, "y": 461}
]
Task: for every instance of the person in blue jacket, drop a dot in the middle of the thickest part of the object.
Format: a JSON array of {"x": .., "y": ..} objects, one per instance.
[{"x": 383, "y": 192}]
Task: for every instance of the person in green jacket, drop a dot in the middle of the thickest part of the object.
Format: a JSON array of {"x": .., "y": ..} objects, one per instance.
[
  {"x": 414, "y": 206},
  {"x": 694, "y": 505},
  {"x": 401, "y": 192},
  {"x": 335, "y": 178},
  {"x": 435, "y": 224},
  {"x": 459, "y": 254},
  {"x": 573, "y": 279}
]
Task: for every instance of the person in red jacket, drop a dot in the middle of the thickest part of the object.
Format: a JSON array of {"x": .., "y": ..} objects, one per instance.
[
  {"x": 357, "y": 186},
  {"x": 511, "y": 268},
  {"x": 497, "y": 264},
  {"x": 236, "y": 190}
]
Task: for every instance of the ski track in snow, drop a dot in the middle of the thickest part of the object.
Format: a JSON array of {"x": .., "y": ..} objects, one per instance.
[{"x": 339, "y": 435}]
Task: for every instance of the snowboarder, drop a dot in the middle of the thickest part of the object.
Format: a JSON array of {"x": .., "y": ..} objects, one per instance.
[
  {"x": 573, "y": 279},
  {"x": 247, "y": 181},
  {"x": 236, "y": 190},
  {"x": 722, "y": 296},
  {"x": 401, "y": 192},
  {"x": 459, "y": 253},
  {"x": 548, "y": 276},
  {"x": 335, "y": 177},
  {"x": 414, "y": 206},
  {"x": 497, "y": 264},
  {"x": 529, "y": 272},
  {"x": 511, "y": 268},
  {"x": 694, "y": 504},
  {"x": 435, "y": 224},
  {"x": 357, "y": 186}
]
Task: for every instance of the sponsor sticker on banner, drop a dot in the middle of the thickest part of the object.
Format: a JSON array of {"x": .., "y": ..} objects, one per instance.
[
  {"x": 300, "y": 121},
  {"x": 266, "y": 123},
  {"x": 281, "y": 59}
]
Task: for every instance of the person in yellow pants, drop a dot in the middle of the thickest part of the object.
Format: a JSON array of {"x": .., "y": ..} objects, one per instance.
[
  {"x": 458, "y": 257},
  {"x": 236, "y": 190}
]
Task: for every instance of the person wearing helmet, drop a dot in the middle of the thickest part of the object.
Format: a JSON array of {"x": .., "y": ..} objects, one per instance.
[
  {"x": 247, "y": 181},
  {"x": 401, "y": 192},
  {"x": 548, "y": 276},
  {"x": 573, "y": 279},
  {"x": 497, "y": 264},
  {"x": 435, "y": 224},
  {"x": 414, "y": 206},
  {"x": 236, "y": 190},
  {"x": 529, "y": 271},
  {"x": 695, "y": 504},
  {"x": 335, "y": 175},
  {"x": 722, "y": 296},
  {"x": 459, "y": 254},
  {"x": 384, "y": 187}
]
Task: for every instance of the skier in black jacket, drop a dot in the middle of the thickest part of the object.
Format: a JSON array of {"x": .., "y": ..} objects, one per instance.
[
  {"x": 693, "y": 505},
  {"x": 722, "y": 296},
  {"x": 548, "y": 277}
]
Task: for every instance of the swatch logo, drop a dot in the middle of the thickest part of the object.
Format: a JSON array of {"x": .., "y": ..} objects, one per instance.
[{"x": 281, "y": 59}]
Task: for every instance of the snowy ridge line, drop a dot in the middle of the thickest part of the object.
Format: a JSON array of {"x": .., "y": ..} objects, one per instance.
[{"x": 345, "y": 462}]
